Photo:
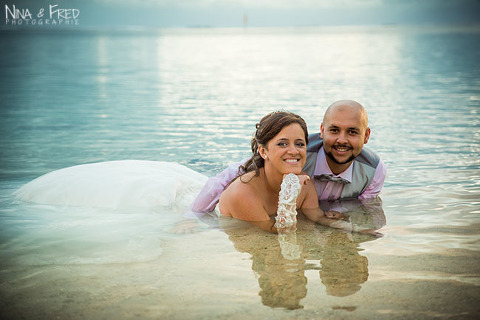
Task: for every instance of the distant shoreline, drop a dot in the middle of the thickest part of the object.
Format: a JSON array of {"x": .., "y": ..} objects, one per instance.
[{"x": 337, "y": 28}]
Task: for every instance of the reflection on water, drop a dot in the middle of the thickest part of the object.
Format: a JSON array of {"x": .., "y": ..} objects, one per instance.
[
  {"x": 343, "y": 268},
  {"x": 280, "y": 261}
]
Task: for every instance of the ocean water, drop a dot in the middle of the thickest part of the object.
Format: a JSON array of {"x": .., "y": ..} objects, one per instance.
[{"x": 193, "y": 96}]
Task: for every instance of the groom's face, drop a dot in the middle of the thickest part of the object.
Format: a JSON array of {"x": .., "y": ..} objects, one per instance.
[{"x": 344, "y": 132}]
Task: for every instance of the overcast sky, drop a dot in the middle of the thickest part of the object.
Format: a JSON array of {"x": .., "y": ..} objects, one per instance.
[{"x": 231, "y": 13}]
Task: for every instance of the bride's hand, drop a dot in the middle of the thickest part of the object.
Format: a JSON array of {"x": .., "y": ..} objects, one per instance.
[{"x": 304, "y": 178}]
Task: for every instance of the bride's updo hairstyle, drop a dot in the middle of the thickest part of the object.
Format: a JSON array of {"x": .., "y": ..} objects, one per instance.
[{"x": 267, "y": 129}]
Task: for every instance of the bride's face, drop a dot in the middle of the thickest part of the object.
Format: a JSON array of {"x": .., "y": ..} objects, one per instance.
[{"x": 287, "y": 151}]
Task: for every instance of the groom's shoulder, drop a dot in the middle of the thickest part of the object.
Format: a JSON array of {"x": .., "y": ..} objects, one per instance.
[
  {"x": 314, "y": 142},
  {"x": 368, "y": 157}
]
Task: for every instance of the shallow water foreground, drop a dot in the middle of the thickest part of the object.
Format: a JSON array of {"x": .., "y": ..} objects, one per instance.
[{"x": 142, "y": 266}]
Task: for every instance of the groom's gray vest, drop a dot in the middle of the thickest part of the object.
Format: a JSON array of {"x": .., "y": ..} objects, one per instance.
[{"x": 364, "y": 167}]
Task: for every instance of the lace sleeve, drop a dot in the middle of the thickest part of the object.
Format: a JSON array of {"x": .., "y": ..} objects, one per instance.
[{"x": 287, "y": 201}]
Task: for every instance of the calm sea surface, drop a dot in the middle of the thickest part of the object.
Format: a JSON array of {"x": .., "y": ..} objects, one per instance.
[{"x": 193, "y": 96}]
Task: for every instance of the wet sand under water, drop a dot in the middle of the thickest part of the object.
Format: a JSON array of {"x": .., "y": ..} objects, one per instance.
[{"x": 241, "y": 273}]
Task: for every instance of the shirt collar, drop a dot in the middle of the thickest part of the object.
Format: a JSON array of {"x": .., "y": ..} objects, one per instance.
[{"x": 322, "y": 167}]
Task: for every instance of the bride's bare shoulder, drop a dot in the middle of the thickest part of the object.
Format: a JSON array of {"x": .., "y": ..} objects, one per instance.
[
  {"x": 244, "y": 188},
  {"x": 242, "y": 200}
]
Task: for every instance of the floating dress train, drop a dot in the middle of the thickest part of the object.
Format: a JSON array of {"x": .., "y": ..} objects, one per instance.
[{"x": 116, "y": 185}]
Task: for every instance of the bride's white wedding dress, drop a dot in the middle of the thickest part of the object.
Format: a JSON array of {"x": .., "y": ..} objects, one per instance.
[
  {"x": 79, "y": 223},
  {"x": 116, "y": 185}
]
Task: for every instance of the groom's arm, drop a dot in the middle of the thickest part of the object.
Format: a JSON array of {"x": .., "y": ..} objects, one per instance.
[{"x": 208, "y": 197}]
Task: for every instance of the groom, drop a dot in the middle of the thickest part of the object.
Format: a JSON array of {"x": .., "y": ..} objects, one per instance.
[{"x": 338, "y": 164}]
